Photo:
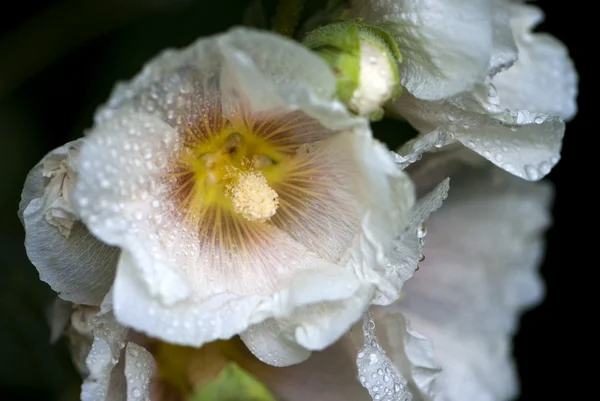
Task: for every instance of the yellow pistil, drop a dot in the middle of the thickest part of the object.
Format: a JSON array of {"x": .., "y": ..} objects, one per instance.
[{"x": 251, "y": 195}]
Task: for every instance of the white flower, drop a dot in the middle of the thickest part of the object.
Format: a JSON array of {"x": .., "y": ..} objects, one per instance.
[
  {"x": 482, "y": 251},
  {"x": 243, "y": 199},
  {"x": 465, "y": 85}
]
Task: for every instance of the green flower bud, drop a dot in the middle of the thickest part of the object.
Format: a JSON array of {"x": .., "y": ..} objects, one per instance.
[{"x": 364, "y": 60}]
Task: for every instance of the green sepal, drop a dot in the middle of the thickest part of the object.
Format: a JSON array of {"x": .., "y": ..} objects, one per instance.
[
  {"x": 233, "y": 384},
  {"x": 339, "y": 45}
]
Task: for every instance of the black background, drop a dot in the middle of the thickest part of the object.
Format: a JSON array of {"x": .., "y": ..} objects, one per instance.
[{"x": 60, "y": 59}]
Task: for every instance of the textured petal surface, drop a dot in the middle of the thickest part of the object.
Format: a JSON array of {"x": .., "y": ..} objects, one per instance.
[
  {"x": 483, "y": 249},
  {"x": 544, "y": 78},
  {"x": 446, "y": 44},
  {"x": 72, "y": 261},
  {"x": 523, "y": 143}
]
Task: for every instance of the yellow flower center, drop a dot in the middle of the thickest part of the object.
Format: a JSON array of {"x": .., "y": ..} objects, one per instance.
[{"x": 231, "y": 169}]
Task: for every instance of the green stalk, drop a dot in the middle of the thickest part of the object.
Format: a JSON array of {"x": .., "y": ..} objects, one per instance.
[{"x": 287, "y": 16}]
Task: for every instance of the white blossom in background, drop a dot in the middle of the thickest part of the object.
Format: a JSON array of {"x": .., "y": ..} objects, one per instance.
[
  {"x": 475, "y": 74},
  {"x": 243, "y": 200},
  {"x": 483, "y": 250}
]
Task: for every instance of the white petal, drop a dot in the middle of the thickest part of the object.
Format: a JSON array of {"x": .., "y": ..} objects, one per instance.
[
  {"x": 72, "y": 261},
  {"x": 139, "y": 369},
  {"x": 504, "y": 52},
  {"x": 483, "y": 248},
  {"x": 109, "y": 340},
  {"x": 269, "y": 345},
  {"x": 406, "y": 255},
  {"x": 544, "y": 78},
  {"x": 265, "y": 67},
  {"x": 172, "y": 281},
  {"x": 203, "y": 318},
  {"x": 523, "y": 143},
  {"x": 445, "y": 44},
  {"x": 412, "y": 353},
  {"x": 376, "y": 371},
  {"x": 328, "y": 375}
]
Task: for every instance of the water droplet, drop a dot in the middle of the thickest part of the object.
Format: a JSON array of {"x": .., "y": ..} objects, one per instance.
[
  {"x": 545, "y": 168},
  {"x": 422, "y": 231},
  {"x": 532, "y": 172}
]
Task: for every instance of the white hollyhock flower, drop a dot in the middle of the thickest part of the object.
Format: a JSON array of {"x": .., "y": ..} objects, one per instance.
[
  {"x": 509, "y": 112},
  {"x": 243, "y": 199},
  {"x": 482, "y": 250}
]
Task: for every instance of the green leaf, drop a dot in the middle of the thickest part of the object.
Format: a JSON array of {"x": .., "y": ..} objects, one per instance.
[{"x": 233, "y": 384}]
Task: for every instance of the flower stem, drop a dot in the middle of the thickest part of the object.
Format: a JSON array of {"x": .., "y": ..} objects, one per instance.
[{"x": 287, "y": 16}]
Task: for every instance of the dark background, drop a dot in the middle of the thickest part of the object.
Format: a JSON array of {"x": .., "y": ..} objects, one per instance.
[{"x": 60, "y": 59}]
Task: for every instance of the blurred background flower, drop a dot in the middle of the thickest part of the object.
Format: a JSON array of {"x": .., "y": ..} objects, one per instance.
[{"x": 61, "y": 58}]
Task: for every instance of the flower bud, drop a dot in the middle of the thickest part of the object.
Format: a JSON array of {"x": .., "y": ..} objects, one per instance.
[{"x": 364, "y": 60}]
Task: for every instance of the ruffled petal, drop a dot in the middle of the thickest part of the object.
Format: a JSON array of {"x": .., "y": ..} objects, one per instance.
[
  {"x": 405, "y": 257},
  {"x": 72, "y": 261},
  {"x": 523, "y": 143},
  {"x": 446, "y": 45},
  {"x": 140, "y": 368},
  {"x": 108, "y": 341},
  {"x": 483, "y": 249},
  {"x": 544, "y": 78}
]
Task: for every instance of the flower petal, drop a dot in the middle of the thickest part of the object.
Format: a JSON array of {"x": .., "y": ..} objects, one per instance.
[
  {"x": 404, "y": 260},
  {"x": 139, "y": 369},
  {"x": 483, "y": 249},
  {"x": 70, "y": 259},
  {"x": 504, "y": 52},
  {"x": 104, "y": 355},
  {"x": 201, "y": 318},
  {"x": 327, "y": 375},
  {"x": 445, "y": 44},
  {"x": 268, "y": 344},
  {"x": 376, "y": 371},
  {"x": 544, "y": 78},
  {"x": 523, "y": 143}
]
